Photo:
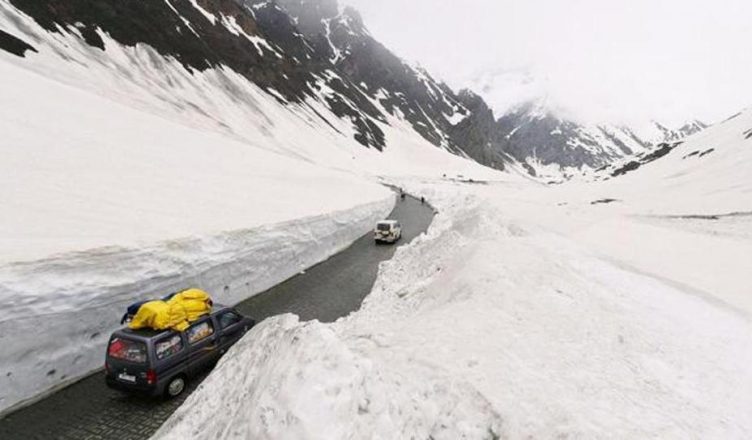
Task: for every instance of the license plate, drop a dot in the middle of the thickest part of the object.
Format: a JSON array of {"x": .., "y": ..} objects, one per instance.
[{"x": 127, "y": 378}]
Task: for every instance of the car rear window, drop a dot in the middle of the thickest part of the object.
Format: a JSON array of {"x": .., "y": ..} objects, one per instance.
[
  {"x": 168, "y": 347},
  {"x": 384, "y": 227},
  {"x": 127, "y": 350}
]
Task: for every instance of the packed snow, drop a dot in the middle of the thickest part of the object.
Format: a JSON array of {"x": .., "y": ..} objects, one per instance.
[
  {"x": 525, "y": 312},
  {"x": 141, "y": 178},
  {"x": 587, "y": 310}
]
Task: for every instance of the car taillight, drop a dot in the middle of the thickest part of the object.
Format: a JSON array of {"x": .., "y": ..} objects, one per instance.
[{"x": 151, "y": 377}]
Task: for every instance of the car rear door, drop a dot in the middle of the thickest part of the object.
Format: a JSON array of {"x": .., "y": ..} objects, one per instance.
[
  {"x": 127, "y": 361},
  {"x": 202, "y": 344}
]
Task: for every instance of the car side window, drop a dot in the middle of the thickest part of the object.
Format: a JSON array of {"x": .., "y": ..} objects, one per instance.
[
  {"x": 199, "y": 332},
  {"x": 168, "y": 347},
  {"x": 228, "y": 319}
]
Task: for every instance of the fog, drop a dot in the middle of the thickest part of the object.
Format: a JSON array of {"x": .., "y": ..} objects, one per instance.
[{"x": 599, "y": 60}]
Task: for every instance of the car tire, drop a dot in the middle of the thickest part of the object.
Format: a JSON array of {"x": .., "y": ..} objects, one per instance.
[{"x": 175, "y": 387}]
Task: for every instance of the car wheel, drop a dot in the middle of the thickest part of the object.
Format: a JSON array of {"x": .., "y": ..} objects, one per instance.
[{"x": 175, "y": 387}]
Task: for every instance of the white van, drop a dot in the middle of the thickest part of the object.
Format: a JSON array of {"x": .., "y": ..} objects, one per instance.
[{"x": 388, "y": 231}]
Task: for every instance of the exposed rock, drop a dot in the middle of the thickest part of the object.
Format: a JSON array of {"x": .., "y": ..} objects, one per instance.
[{"x": 14, "y": 45}]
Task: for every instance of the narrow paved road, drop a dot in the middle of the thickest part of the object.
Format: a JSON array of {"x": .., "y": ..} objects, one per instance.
[{"x": 327, "y": 291}]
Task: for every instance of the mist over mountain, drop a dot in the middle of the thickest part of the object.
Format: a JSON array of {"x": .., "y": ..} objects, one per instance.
[{"x": 299, "y": 50}]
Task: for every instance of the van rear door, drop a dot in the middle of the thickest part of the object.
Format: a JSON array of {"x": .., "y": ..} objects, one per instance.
[{"x": 127, "y": 361}]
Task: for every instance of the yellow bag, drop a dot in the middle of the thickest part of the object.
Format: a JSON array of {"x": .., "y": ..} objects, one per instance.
[
  {"x": 176, "y": 314},
  {"x": 196, "y": 303}
]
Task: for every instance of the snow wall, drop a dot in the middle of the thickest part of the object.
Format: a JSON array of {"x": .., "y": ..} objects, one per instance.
[{"x": 58, "y": 313}]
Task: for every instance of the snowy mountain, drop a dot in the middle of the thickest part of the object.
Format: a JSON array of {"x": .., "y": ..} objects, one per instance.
[
  {"x": 553, "y": 146},
  {"x": 297, "y": 50},
  {"x": 655, "y": 133},
  {"x": 230, "y": 144},
  {"x": 294, "y": 50},
  {"x": 438, "y": 114}
]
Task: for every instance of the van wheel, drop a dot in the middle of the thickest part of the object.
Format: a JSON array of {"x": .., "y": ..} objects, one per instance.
[{"x": 175, "y": 387}]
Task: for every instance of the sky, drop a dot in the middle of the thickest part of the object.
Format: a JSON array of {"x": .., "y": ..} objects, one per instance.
[{"x": 619, "y": 61}]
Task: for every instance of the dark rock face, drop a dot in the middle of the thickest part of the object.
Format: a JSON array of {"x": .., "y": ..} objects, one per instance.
[
  {"x": 429, "y": 106},
  {"x": 479, "y": 132},
  {"x": 199, "y": 46},
  {"x": 531, "y": 132},
  {"x": 14, "y": 45},
  {"x": 298, "y": 50},
  {"x": 286, "y": 64},
  {"x": 662, "y": 150}
]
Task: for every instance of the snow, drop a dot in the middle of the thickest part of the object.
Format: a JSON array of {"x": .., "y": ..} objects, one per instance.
[
  {"x": 525, "y": 311},
  {"x": 61, "y": 310},
  {"x": 141, "y": 178},
  {"x": 456, "y": 117},
  {"x": 336, "y": 53},
  {"x": 83, "y": 169},
  {"x": 104, "y": 213},
  {"x": 520, "y": 315}
]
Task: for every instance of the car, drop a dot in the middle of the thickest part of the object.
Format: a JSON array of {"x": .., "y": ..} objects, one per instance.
[
  {"x": 387, "y": 231},
  {"x": 161, "y": 362}
]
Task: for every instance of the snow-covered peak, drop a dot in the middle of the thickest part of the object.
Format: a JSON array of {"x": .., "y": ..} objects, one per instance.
[{"x": 554, "y": 144}]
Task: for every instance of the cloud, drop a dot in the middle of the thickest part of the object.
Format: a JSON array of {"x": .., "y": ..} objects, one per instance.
[{"x": 614, "y": 60}]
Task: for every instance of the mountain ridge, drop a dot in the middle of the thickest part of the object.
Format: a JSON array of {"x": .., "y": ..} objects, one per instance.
[{"x": 302, "y": 50}]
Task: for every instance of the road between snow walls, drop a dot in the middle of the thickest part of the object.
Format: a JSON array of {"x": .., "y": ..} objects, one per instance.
[
  {"x": 58, "y": 313},
  {"x": 489, "y": 326}
]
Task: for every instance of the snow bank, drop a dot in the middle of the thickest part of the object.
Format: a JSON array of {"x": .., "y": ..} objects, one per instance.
[
  {"x": 141, "y": 177},
  {"x": 59, "y": 312},
  {"x": 293, "y": 380},
  {"x": 490, "y": 326}
]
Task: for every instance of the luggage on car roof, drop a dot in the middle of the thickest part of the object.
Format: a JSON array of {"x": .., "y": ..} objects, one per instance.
[{"x": 176, "y": 313}]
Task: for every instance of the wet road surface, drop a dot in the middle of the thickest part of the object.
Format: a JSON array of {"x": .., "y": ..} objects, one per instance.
[{"x": 332, "y": 289}]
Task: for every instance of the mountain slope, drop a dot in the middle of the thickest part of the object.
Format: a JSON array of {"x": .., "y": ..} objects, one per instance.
[
  {"x": 301, "y": 51},
  {"x": 432, "y": 108},
  {"x": 552, "y": 146},
  {"x": 713, "y": 166}
]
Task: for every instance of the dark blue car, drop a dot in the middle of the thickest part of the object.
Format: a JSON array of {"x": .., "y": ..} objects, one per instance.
[{"x": 160, "y": 363}]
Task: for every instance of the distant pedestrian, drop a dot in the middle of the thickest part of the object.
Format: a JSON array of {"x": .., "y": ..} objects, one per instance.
[{"x": 422, "y": 200}]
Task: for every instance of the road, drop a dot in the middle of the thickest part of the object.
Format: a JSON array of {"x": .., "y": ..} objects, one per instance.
[{"x": 332, "y": 289}]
